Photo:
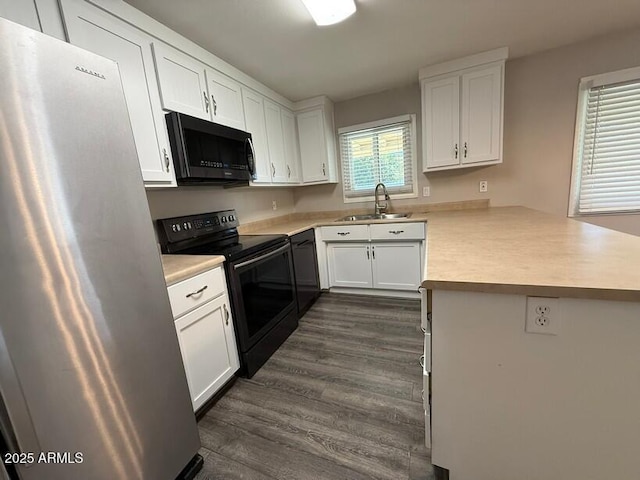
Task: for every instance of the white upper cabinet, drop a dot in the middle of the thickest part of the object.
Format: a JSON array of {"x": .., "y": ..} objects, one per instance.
[
  {"x": 481, "y": 114},
  {"x": 256, "y": 126},
  {"x": 226, "y": 100},
  {"x": 317, "y": 140},
  {"x": 441, "y": 122},
  {"x": 188, "y": 86},
  {"x": 291, "y": 151},
  {"x": 183, "y": 83},
  {"x": 313, "y": 148},
  {"x": 97, "y": 31},
  {"x": 275, "y": 141},
  {"x": 462, "y": 111}
]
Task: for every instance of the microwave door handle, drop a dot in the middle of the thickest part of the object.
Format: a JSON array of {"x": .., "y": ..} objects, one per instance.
[{"x": 251, "y": 164}]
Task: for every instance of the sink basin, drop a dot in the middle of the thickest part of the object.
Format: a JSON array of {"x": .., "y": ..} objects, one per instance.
[{"x": 383, "y": 216}]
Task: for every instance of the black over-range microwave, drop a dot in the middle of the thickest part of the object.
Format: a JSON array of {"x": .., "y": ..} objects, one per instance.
[{"x": 207, "y": 153}]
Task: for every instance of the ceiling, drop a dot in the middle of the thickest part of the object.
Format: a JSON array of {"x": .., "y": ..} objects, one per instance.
[{"x": 384, "y": 43}]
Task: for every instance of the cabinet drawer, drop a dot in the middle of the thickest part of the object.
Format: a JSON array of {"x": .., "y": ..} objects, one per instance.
[
  {"x": 345, "y": 233},
  {"x": 397, "y": 231},
  {"x": 196, "y": 291}
]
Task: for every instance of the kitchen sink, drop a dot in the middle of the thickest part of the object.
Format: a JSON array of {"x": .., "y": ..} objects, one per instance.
[{"x": 382, "y": 216}]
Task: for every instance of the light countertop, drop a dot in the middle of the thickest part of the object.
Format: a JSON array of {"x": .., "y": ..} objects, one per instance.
[
  {"x": 523, "y": 251},
  {"x": 516, "y": 250},
  {"x": 180, "y": 267},
  {"x": 501, "y": 250}
]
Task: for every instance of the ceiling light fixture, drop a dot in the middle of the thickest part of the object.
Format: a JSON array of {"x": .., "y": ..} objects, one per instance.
[{"x": 328, "y": 12}]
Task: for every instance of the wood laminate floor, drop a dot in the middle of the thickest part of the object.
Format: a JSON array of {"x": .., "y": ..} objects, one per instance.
[{"x": 340, "y": 400}]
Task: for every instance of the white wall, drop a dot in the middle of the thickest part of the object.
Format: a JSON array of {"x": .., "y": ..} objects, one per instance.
[
  {"x": 540, "y": 108},
  {"x": 251, "y": 203}
]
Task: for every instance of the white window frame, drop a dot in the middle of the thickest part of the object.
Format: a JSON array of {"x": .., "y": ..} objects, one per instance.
[
  {"x": 586, "y": 84},
  {"x": 414, "y": 156}
]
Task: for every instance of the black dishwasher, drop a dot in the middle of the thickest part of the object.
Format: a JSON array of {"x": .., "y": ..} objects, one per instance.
[{"x": 305, "y": 266}]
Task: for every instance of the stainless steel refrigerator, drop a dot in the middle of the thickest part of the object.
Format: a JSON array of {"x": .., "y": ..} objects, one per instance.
[{"x": 91, "y": 375}]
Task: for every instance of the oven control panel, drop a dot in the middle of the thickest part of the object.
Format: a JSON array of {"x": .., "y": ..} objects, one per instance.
[{"x": 171, "y": 230}]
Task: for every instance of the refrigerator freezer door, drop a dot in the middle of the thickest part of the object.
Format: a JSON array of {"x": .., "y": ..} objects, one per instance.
[{"x": 85, "y": 320}]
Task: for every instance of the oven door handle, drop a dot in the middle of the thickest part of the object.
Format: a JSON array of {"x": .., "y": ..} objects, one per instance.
[{"x": 262, "y": 257}]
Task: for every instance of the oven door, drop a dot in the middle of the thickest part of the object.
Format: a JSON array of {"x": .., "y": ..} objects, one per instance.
[{"x": 263, "y": 291}]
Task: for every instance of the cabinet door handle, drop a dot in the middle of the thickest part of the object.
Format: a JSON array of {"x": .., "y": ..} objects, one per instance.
[
  {"x": 421, "y": 361},
  {"x": 324, "y": 172},
  {"x": 166, "y": 159},
  {"x": 206, "y": 101},
  {"x": 342, "y": 234},
  {"x": 226, "y": 314},
  {"x": 368, "y": 253},
  {"x": 465, "y": 149},
  {"x": 396, "y": 232},
  {"x": 373, "y": 252},
  {"x": 424, "y": 330},
  {"x": 455, "y": 151},
  {"x": 288, "y": 171},
  {"x": 273, "y": 170},
  {"x": 197, "y": 292},
  {"x": 215, "y": 104}
]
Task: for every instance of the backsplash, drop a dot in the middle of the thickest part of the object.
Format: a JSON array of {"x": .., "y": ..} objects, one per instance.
[{"x": 251, "y": 203}]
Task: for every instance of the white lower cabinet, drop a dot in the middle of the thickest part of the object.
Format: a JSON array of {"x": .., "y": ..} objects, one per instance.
[
  {"x": 206, "y": 334},
  {"x": 350, "y": 265},
  {"x": 208, "y": 347},
  {"x": 396, "y": 266},
  {"x": 386, "y": 256}
]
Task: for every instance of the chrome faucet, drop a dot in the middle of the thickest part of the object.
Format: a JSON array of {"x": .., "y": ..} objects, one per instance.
[{"x": 379, "y": 209}]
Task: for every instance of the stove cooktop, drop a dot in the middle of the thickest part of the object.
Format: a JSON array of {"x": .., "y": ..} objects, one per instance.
[{"x": 238, "y": 247}]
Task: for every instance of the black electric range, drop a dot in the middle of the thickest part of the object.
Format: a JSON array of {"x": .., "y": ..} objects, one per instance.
[{"x": 259, "y": 271}]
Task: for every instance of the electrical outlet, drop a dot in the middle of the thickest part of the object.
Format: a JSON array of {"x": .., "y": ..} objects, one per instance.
[
  {"x": 543, "y": 315},
  {"x": 274, "y": 205},
  {"x": 426, "y": 191},
  {"x": 484, "y": 186}
]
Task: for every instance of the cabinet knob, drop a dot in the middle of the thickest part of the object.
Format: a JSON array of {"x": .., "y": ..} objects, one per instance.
[
  {"x": 368, "y": 253},
  {"x": 373, "y": 252},
  {"x": 421, "y": 361}
]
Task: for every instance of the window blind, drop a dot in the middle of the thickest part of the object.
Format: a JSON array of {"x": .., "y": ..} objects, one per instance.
[
  {"x": 377, "y": 154},
  {"x": 610, "y": 150}
]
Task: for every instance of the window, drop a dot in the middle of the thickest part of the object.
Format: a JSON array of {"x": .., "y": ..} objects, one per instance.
[
  {"x": 606, "y": 164},
  {"x": 382, "y": 151}
]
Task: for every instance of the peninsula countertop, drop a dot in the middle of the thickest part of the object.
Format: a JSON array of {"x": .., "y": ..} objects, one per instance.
[
  {"x": 523, "y": 251},
  {"x": 516, "y": 250}
]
